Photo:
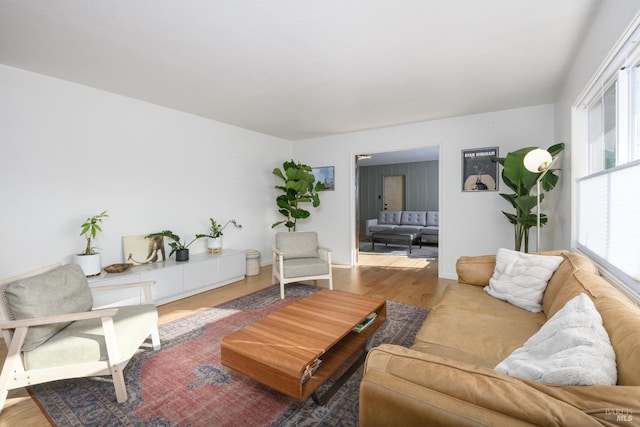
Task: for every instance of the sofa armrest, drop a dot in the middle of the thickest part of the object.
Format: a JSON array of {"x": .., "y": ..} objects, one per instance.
[
  {"x": 406, "y": 387},
  {"x": 370, "y": 222},
  {"x": 475, "y": 270}
]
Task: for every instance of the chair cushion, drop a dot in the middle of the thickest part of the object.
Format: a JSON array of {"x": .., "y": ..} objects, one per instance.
[
  {"x": 305, "y": 267},
  {"x": 390, "y": 217},
  {"x": 299, "y": 244},
  {"x": 416, "y": 219},
  {"x": 83, "y": 340},
  {"x": 63, "y": 290}
]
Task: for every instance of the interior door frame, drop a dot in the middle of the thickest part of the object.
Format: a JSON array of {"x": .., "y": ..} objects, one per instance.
[{"x": 354, "y": 199}]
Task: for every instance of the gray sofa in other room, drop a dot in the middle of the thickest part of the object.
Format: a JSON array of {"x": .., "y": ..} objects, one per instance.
[{"x": 426, "y": 222}]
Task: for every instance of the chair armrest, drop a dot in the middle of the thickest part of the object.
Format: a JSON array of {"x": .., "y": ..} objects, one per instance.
[
  {"x": 325, "y": 254},
  {"x": 62, "y": 318},
  {"x": 277, "y": 251}
]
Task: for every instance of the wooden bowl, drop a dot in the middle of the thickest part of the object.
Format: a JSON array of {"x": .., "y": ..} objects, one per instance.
[{"x": 117, "y": 268}]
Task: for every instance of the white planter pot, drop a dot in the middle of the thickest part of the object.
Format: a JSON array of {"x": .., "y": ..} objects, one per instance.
[
  {"x": 90, "y": 264},
  {"x": 214, "y": 245}
]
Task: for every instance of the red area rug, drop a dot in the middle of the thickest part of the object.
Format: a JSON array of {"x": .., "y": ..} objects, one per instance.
[{"x": 184, "y": 384}]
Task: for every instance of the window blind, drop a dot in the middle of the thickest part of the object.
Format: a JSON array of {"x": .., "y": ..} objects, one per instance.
[{"x": 608, "y": 219}]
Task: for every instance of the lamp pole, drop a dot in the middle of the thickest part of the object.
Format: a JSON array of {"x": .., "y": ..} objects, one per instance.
[{"x": 538, "y": 161}]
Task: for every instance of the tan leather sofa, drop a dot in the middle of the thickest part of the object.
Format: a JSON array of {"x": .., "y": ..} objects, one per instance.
[{"x": 447, "y": 378}]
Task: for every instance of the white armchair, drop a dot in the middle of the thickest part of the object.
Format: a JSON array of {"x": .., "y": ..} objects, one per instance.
[
  {"x": 52, "y": 333},
  {"x": 297, "y": 257}
]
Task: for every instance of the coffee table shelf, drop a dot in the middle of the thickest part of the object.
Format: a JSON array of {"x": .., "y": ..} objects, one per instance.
[{"x": 277, "y": 349}]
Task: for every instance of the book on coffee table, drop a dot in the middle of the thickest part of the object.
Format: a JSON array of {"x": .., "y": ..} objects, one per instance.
[{"x": 365, "y": 322}]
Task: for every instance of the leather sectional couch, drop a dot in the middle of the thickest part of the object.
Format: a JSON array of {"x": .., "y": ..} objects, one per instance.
[{"x": 447, "y": 377}]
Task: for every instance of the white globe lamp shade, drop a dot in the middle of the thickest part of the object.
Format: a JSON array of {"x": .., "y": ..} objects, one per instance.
[{"x": 537, "y": 160}]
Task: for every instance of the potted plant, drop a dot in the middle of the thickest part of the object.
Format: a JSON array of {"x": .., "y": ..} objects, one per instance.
[
  {"x": 215, "y": 234},
  {"x": 181, "y": 250},
  {"x": 90, "y": 261},
  {"x": 521, "y": 181},
  {"x": 298, "y": 188}
]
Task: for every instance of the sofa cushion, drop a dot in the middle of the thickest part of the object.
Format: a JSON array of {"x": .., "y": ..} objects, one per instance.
[
  {"x": 382, "y": 227},
  {"x": 413, "y": 218},
  {"x": 433, "y": 219},
  {"x": 521, "y": 278},
  {"x": 571, "y": 348},
  {"x": 475, "y": 324},
  {"x": 63, "y": 290},
  {"x": 390, "y": 217}
]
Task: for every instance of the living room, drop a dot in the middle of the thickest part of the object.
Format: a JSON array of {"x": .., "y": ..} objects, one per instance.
[
  {"x": 71, "y": 149},
  {"x": 74, "y": 150}
]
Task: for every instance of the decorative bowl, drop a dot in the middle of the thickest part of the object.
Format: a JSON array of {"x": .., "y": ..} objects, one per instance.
[{"x": 117, "y": 268}]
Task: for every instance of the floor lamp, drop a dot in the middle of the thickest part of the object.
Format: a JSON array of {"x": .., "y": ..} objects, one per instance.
[{"x": 539, "y": 161}]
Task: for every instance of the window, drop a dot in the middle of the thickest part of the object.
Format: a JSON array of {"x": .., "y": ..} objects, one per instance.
[{"x": 608, "y": 207}]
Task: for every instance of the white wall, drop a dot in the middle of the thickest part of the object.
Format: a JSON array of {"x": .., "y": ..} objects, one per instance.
[
  {"x": 608, "y": 25},
  {"x": 69, "y": 151},
  {"x": 471, "y": 223}
]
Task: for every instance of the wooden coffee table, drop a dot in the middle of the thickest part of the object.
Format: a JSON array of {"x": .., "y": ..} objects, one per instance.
[{"x": 278, "y": 349}]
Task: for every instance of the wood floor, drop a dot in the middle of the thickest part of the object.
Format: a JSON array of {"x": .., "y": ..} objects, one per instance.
[{"x": 410, "y": 281}]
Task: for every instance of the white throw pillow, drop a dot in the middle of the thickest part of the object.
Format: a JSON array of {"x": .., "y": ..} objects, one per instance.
[
  {"x": 571, "y": 348},
  {"x": 521, "y": 279}
]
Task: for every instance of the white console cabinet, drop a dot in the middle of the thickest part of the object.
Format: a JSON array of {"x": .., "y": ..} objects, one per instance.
[{"x": 174, "y": 280}]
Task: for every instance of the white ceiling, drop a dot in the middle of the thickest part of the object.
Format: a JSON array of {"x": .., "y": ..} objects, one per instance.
[{"x": 304, "y": 68}]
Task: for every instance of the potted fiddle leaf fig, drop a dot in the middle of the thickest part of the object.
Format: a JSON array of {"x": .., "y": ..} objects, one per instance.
[
  {"x": 215, "y": 234},
  {"x": 181, "y": 249},
  {"x": 299, "y": 187},
  {"x": 90, "y": 260},
  {"x": 522, "y": 181}
]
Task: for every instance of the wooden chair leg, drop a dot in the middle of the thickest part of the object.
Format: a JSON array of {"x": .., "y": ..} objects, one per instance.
[
  {"x": 155, "y": 338},
  {"x": 119, "y": 384}
]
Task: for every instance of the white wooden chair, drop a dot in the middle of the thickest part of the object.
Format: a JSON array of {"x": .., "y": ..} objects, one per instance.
[
  {"x": 297, "y": 257},
  {"x": 52, "y": 333}
]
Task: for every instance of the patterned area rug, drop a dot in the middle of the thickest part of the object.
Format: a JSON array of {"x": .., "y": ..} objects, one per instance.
[
  {"x": 184, "y": 384},
  {"x": 427, "y": 251}
]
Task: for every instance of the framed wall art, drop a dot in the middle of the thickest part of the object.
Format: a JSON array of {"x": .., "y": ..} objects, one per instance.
[
  {"x": 479, "y": 172},
  {"x": 326, "y": 175},
  {"x": 138, "y": 250}
]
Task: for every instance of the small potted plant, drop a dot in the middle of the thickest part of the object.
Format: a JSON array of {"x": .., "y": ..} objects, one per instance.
[
  {"x": 90, "y": 261},
  {"x": 215, "y": 234},
  {"x": 181, "y": 249}
]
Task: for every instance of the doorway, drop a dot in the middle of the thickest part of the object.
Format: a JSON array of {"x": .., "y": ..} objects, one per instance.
[{"x": 378, "y": 177}]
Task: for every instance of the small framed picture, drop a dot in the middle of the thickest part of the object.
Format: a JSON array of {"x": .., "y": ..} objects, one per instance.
[
  {"x": 325, "y": 175},
  {"x": 479, "y": 172}
]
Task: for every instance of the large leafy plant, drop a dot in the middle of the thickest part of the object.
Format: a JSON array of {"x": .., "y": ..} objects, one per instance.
[
  {"x": 299, "y": 187},
  {"x": 521, "y": 181}
]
